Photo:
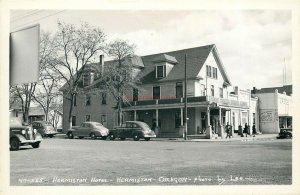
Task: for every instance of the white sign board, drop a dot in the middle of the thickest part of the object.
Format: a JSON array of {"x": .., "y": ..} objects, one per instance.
[{"x": 24, "y": 55}]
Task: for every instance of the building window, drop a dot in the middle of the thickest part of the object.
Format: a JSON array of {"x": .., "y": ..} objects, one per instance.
[
  {"x": 87, "y": 100},
  {"x": 87, "y": 118},
  {"x": 202, "y": 90},
  {"x": 160, "y": 71},
  {"x": 179, "y": 90},
  {"x": 221, "y": 92},
  {"x": 156, "y": 92},
  {"x": 208, "y": 71},
  {"x": 215, "y": 73},
  {"x": 103, "y": 119},
  {"x": 135, "y": 94},
  {"x": 103, "y": 98},
  {"x": 212, "y": 88},
  {"x": 73, "y": 120},
  {"x": 17, "y": 113},
  {"x": 86, "y": 79},
  {"x": 177, "y": 119},
  {"x": 75, "y": 100}
]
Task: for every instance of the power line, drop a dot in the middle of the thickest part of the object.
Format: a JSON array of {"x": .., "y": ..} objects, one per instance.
[
  {"x": 39, "y": 19},
  {"x": 26, "y": 15}
]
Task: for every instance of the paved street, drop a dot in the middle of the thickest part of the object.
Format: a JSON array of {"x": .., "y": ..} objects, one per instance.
[{"x": 99, "y": 162}]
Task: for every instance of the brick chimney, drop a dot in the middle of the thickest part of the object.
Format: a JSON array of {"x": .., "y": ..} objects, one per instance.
[{"x": 101, "y": 62}]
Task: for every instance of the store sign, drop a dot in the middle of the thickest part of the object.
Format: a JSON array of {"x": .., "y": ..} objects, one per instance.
[{"x": 267, "y": 116}]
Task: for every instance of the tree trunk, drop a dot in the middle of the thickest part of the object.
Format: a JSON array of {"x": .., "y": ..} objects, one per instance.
[{"x": 70, "y": 110}]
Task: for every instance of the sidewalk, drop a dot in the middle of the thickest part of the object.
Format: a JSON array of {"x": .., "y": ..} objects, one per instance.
[{"x": 236, "y": 138}]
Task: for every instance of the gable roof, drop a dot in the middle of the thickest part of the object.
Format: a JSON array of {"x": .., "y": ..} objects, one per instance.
[{"x": 195, "y": 60}]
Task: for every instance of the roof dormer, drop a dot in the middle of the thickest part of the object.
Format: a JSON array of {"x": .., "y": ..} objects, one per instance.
[{"x": 163, "y": 65}]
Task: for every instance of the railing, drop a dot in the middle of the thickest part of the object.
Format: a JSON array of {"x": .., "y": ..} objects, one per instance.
[{"x": 210, "y": 99}]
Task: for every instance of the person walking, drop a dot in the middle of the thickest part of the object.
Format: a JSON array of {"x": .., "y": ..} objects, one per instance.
[
  {"x": 246, "y": 129},
  {"x": 227, "y": 129},
  {"x": 254, "y": 130}
]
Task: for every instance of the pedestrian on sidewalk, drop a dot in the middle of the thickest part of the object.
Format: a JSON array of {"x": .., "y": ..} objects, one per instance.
[
  {"x": 246, "y": 129},
  {"x": 254, "y": 130},
  {"x": 227, "y": 129}
]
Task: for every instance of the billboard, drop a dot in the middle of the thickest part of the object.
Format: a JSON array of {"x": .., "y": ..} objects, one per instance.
[{"x": 24, "y": 55}]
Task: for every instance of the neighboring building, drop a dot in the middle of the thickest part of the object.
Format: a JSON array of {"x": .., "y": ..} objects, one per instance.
[
  {"x": 212, "y": 101},
  {"x": 36, "y": 114},
  {"x": 275, "y": 108}
]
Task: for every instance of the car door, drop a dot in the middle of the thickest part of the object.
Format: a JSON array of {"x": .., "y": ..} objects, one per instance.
[
  {"x": 80, "y": 130},
  {"x": 134, "y": 129},
  {"x": 128, "y": 130},
  {"x": 121, "y": 131}
]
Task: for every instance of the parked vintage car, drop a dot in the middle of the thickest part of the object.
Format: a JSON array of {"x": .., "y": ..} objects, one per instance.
[
  {"x": 132, "y": 129},
  {"x": 20, "y": 135},
  {"x": 285, "y": 133},
  {"x": 88, "y": 129},
  {"x": 44, "y": 128}
]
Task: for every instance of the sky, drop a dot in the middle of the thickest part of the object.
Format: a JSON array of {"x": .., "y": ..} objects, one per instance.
[{"x": 254, "y": 45}]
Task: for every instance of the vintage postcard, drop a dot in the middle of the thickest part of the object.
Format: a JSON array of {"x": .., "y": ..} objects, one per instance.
[{"x": 159, "y": 98}]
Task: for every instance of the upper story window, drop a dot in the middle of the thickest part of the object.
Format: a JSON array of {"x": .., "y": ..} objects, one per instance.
[
  {"x": 87, "y": 100},
  {"x": 208, "y": 71},
  {"x": 221, "y": 92},
  {"x": 215, "y": 73},
  {"x": 212, "y": 88},
  {"x": 103, "y": 98},
  {"x": 87, "y": 78},
  {"x": 75, "y": 100},
  {"x": 135, "y": 94},
  {"x": 160, "y": 71},
  {"x": 179, "y": 90},
  {"x": 156, "y": 92}
]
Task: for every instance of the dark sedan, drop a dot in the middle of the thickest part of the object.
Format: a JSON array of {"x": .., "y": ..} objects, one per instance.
[{"x": 132, "y": 129}]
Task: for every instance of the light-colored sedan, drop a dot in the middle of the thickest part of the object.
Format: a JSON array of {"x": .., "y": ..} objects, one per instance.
[{"x": 88, "y": 129}]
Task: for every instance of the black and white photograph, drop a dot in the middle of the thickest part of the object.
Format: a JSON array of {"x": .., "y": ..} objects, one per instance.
[{"x": 151, "y": 98}]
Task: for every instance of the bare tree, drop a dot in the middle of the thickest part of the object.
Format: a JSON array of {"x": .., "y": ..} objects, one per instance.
[
  {"x": 47, "y": 88},
  {"x": 75, "y": 48},
  {"x": 118, "y": 77}
]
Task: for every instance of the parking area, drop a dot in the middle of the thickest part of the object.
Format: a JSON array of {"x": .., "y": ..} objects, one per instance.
[{"x": 61, "y": 161}]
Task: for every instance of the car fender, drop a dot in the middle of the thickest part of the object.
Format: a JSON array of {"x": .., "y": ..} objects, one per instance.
[{"x": 21, "y": 138}]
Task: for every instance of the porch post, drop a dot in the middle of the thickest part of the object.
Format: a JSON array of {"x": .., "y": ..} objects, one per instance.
[
  {"x": 181, "y": 116},
  {"x": 220, "y": 132},
  {"x": 156, "y": 121},
  {"x": 134, "y": 115},
  {"x": 230, "y": 122},
  {"x": 208, "y": 127}
]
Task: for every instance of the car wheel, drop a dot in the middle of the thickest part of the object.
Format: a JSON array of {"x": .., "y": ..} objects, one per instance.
[
  {"x": 70, "y": 135},
  {"x": 122, "y": 138},
  {"x": 50, "y": 136},
  {"x": 147, "y": 138},
  {"x": 103, "y": 137},
  {"x": 93, "y": 136},
  {"x": 14, "y": 144},
  {"x": 136, "y": 137},
  {"x": 112, "y": 137},
  {"x": 36, "y": 145}
]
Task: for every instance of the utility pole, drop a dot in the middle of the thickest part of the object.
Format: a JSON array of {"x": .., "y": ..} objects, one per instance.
[{"x": 185, "y": 100}]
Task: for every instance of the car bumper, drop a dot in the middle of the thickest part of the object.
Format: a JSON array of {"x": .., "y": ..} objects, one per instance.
[
  {"x": 149, "y": 135},
  {"x": 23, "y": 140}
]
